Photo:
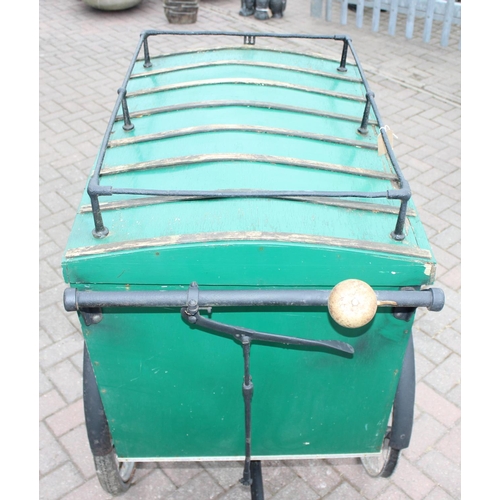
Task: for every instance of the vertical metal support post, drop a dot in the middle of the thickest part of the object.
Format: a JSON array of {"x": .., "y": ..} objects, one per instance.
[
  {"x": 398, "y": 233},
  {"x": 363, "y": 128},
  {"x": 100, "y": 230},
  {"x": 343, "y": 59},
  {"x": 127, "y": 124},
  {"x": 147, "y": 58},
  {"x": 247, "y": 396}
]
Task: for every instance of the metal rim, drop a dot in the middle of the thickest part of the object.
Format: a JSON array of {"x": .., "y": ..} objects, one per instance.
[
  {"x": 375, "y": 464},
  {"x": 126, "y": 470}
]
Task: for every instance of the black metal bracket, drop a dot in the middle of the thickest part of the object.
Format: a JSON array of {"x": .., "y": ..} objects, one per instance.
[
  {"x": 193, "y": 306},
  {"x": 91, "y": 315}
]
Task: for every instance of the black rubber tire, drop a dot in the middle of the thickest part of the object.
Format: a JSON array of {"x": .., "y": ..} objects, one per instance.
[
  {"x": 398, "y": 433},
  {"x": 115, "y": 477},
  {"x": 391, "y": 463},
  {"x": 257, "y": 487}
]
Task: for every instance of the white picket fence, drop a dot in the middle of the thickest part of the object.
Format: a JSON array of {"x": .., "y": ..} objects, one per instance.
[{"x": 443, "y": 13}]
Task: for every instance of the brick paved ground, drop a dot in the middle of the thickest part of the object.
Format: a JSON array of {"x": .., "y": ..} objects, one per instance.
[{"x": 83, "y": 56}]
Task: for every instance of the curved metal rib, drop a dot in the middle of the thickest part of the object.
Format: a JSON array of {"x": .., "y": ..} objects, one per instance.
[
  {"x": 244, "y": 103},
  {"x": 203, "y": 129},
  {"x": 221, "y": 157},
  {"x": 229, "y": 62},
  {"x": 245, "y": 81}
]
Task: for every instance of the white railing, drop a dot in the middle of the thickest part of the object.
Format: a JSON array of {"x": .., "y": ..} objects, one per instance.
[{"x": 445, "y": 12}]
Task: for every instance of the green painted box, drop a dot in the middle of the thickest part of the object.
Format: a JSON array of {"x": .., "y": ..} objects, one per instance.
[{"x": 245, "y": 170}]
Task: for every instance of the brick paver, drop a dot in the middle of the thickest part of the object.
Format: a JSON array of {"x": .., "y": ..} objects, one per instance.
[{"x": 83, "y": 56}]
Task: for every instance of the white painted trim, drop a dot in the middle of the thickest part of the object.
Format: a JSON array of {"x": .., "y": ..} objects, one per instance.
[{"x": 241, "y": 458}]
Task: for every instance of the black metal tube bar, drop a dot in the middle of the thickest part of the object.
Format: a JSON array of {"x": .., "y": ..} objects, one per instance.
[
  {"x": 343, "y": 60},
  {"x": 114, "y": 113},
  {"x": 127, "y": 124},
  {"x": 94, "y": 189},
  {"x": 147, "y": 58},
  {"x": 402, "y": 181},
  {"x": 247, "y": 397},
  {"x": 256, "y": 34},
  {"x": 363, "y": 128},
  {"x": 100, "y": 230},
  {"x": 74, "y": 300},
  {"x": 371, "y": 97},
  {"x": 398, "y": 233}
]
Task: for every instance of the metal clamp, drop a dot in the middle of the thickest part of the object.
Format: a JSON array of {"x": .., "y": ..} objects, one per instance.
[{"x": 193, "y": 298}]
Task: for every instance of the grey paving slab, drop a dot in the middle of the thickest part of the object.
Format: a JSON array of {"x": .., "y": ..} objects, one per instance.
[{"x": 83, "y": 55}]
